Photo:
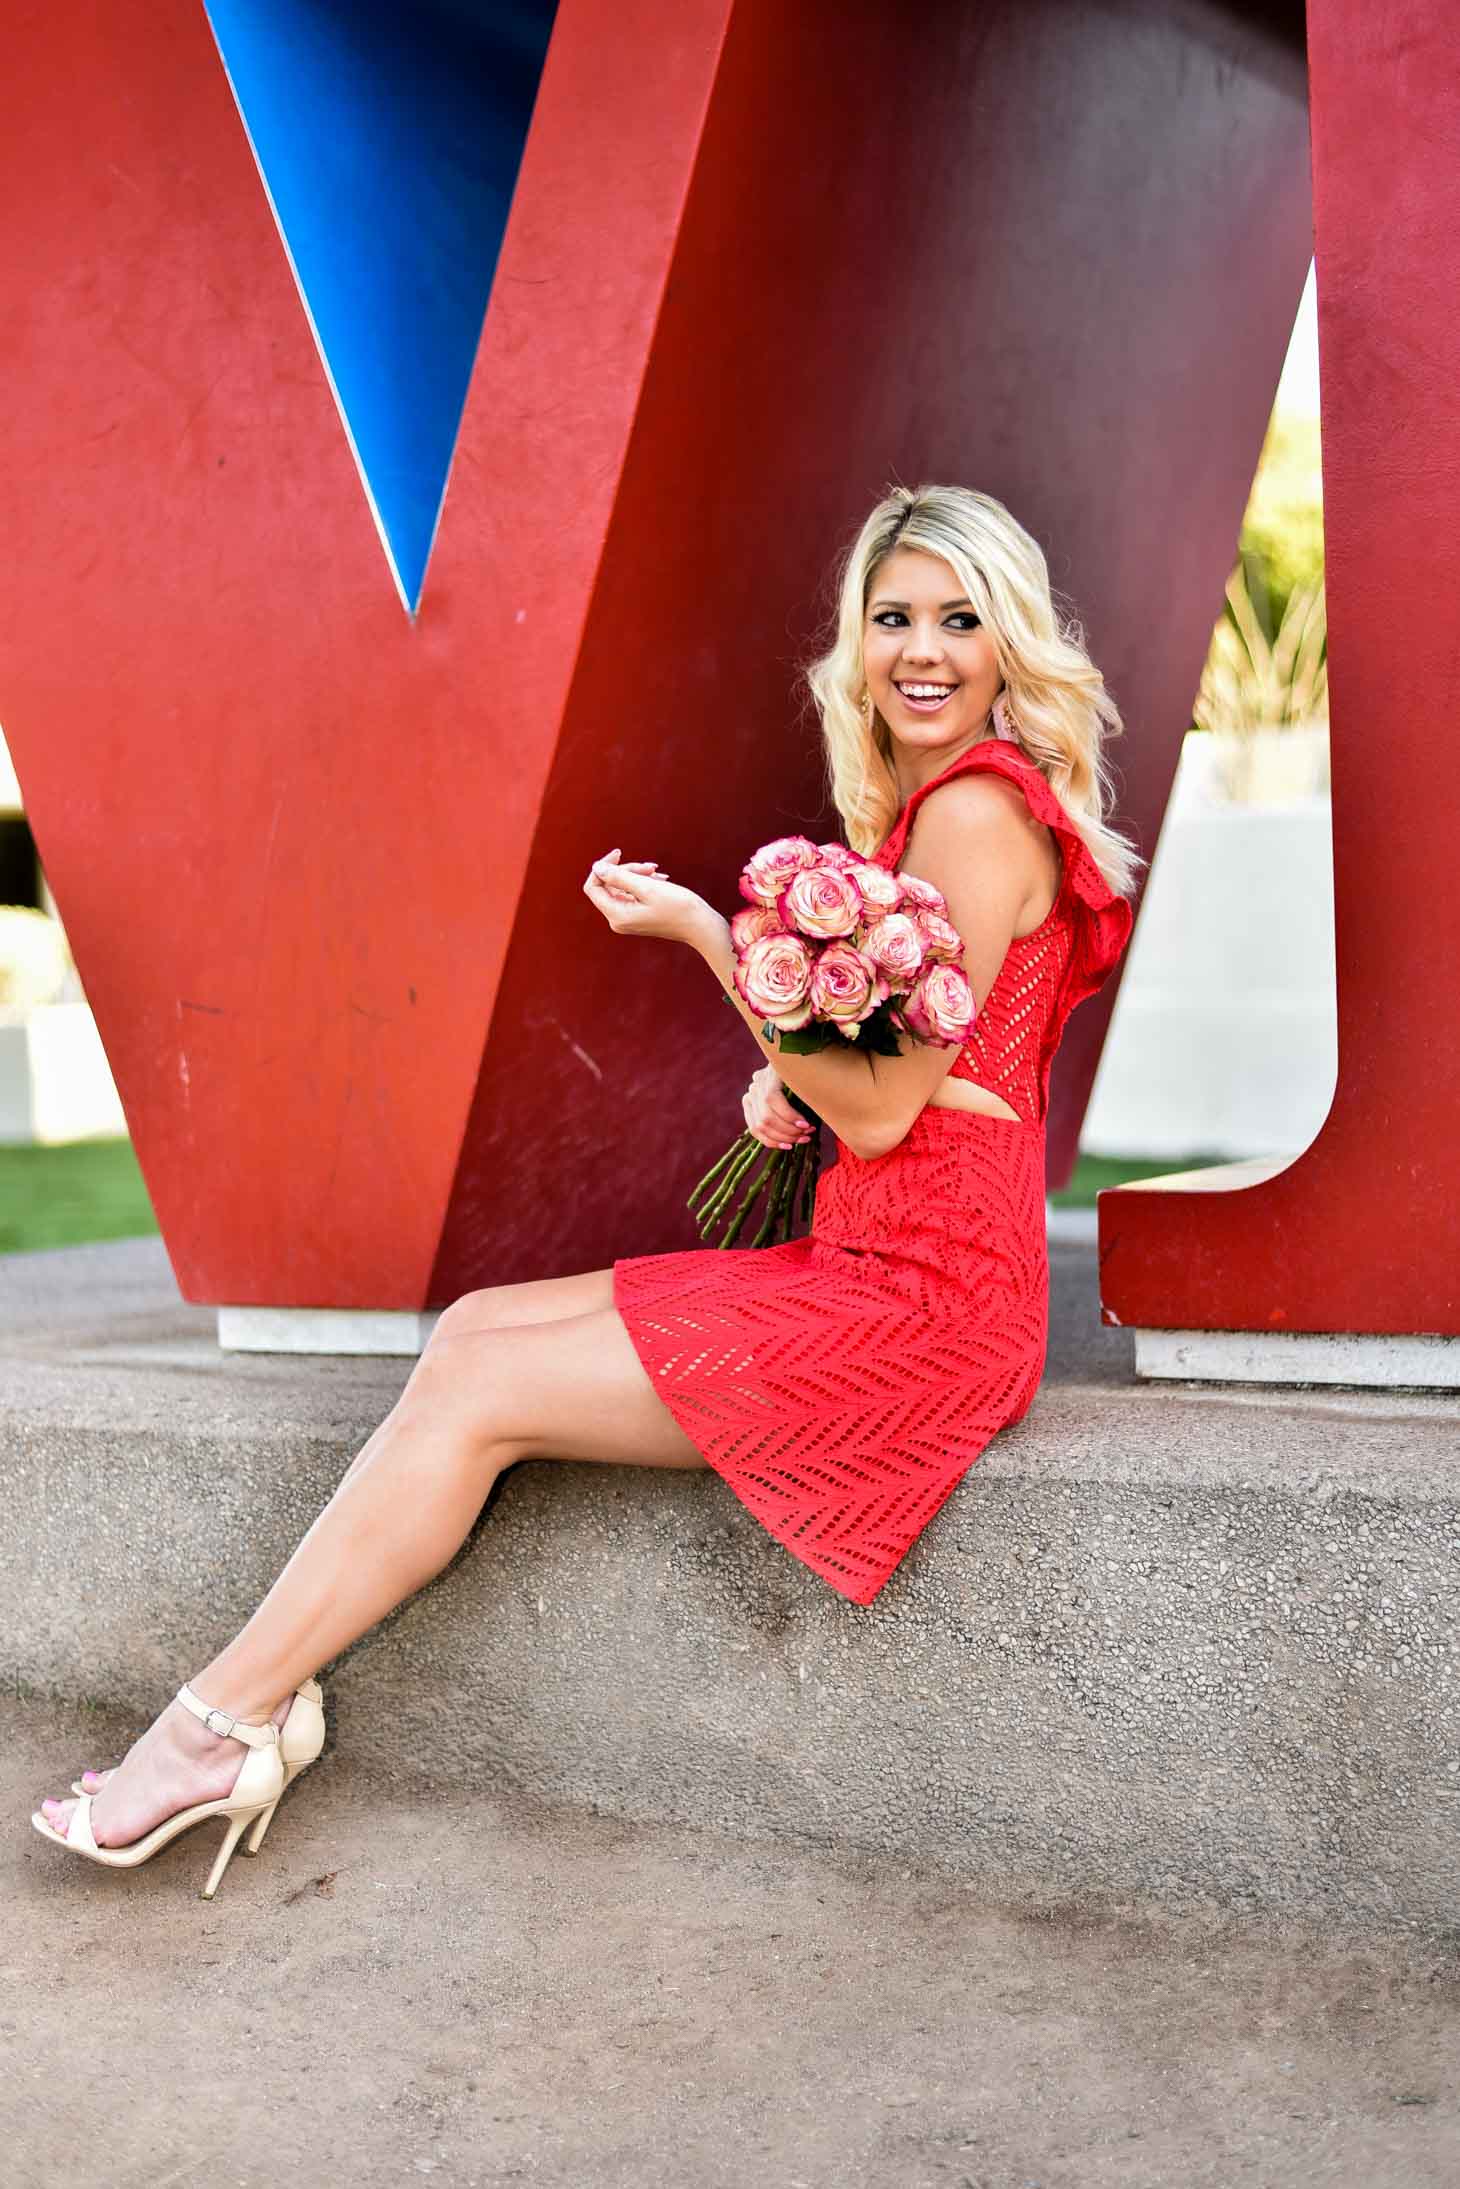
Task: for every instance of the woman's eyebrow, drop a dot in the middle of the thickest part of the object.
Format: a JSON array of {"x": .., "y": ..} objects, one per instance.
[{"x": 908, "y": 605}]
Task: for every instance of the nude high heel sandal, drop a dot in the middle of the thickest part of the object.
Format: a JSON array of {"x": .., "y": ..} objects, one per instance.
[
  {"x": 256, "y": 1791},
  {"x": 301, "y": 1737}
]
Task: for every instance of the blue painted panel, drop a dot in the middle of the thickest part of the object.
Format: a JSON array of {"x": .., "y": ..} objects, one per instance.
[{"x": 389, "y": 139}]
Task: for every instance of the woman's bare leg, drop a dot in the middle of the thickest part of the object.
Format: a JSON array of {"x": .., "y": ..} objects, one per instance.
[
  {"x": 541, "y": 1300},
  {"x": 508, "y": 1307},
  {"x": 493, "y": 1307},
  {"x": 479, "y": 1398}
]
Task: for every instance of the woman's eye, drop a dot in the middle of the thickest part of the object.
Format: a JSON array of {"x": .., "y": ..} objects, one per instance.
[{"x": 963, "y": 620}]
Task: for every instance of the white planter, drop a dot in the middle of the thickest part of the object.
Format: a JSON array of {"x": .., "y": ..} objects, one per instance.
[
  {"x": 1224, "y": 1036},
  {"x": 55, "y": 1082}
]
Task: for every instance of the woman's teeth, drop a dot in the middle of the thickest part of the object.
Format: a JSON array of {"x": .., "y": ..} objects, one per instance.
[{"x": 927, "y": 698}]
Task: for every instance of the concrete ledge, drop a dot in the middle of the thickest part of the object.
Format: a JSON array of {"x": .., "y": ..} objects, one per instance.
[
  {"x": 1427, "y": 1363},
  {"x": 1165, "y": 1641},
  {"x": 386, "y": 1330}
]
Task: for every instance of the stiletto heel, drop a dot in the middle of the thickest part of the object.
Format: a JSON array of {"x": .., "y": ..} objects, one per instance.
[
  {"x": 255, "y": 1838},
  {"x": 230, "y": 1841},
  {"x": 257, "y": 1788}
]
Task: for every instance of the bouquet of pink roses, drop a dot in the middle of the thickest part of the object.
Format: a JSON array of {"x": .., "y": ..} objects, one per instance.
[{"x": 829, "y": 949}]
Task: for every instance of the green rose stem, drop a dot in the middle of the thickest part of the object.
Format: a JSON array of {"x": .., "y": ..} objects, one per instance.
[
  {"x": 724, "y": 1193},
  {"x": 793, "y": 1189},
  {"x": 736, "y": 1148},
  {"x": 728, "y": 1192},
  {"x": 786, "y": 1174},
  {"x": 810, "y": 1173},
  {"x": 747, "y": 1203},
  {"x": 714, "y": 1186},
  {"x": 746, "y": 1151}
]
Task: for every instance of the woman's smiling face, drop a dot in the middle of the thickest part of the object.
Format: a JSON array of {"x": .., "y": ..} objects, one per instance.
[{"x": 930, "y": 663}]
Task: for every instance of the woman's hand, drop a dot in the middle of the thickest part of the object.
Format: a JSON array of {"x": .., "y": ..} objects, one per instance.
[
  {"x": 636, "y": 899},
  {"x": 769, "y": 1117}
]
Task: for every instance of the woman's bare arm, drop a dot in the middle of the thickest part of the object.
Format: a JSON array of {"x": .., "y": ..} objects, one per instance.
[
  {"x": 971, "y": 841},
  {"x": 846, "y": 1085}
]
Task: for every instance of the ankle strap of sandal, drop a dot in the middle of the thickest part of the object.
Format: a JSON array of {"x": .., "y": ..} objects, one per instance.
[{"x": 219, "y": 1722}]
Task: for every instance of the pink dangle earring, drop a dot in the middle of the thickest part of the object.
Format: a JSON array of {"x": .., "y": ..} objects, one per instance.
[{"x": 1004, "y": 723}]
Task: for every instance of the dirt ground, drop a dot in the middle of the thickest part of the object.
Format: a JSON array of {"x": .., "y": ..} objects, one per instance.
[{"x": 492, "y": 1993}]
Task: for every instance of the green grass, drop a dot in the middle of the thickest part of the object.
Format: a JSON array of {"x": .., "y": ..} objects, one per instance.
[
  {"x": 92, "y": 1189},
  {"x": 1093, "y": 1173},
  {"x": 70, "y": 1195}
]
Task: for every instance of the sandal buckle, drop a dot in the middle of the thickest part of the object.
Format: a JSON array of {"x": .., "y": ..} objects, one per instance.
[{"x": 225, "y": 1725}]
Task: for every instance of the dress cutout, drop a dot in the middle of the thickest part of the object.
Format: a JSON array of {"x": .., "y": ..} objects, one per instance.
[{"x": 844, "y": 1383}]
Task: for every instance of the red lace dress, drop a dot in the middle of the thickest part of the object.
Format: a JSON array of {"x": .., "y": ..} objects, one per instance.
[{"x": 843, "y": 1384}]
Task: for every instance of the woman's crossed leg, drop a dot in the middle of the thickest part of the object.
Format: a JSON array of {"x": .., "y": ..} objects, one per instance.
[{"x": 533, "y": 1371}]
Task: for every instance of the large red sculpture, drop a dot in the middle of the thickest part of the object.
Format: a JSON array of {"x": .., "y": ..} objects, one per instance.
[
  {"x": 320, "y": 861},
  {"x": 1362, "y": 1232}
]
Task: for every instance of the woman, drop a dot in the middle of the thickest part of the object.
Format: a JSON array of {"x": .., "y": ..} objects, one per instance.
[{"x": 841, "y": 1384}]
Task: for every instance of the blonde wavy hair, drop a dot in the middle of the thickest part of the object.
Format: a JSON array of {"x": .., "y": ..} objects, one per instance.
[{"x": 1057, "y": 696}]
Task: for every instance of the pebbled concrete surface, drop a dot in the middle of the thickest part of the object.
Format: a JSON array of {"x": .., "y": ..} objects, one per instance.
[
  {"x": 1197, "y": 1646},
  {"x": 488, "y": 1993}
]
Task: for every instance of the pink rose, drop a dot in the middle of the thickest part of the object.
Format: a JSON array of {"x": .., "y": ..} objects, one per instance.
[
  {"x": 770, "y": 869},
  {"x": 923, "y": 895},
  {"x": 774, "y": 978},
  {"x": 753, "y": 924},
  {"x": 895, "y": 945},
  {"x": 881, "y": 891},
  {"x": 837, "y": 855},
  {"x": 845, "y": 987},
  {"x": 941, "y": 1008},
  {"x": 941, "y": 939},
  {"x": 821, "y": 903}
]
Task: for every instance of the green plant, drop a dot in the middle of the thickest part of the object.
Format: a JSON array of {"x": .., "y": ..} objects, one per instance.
[
  {"x": 1266, "y": 668},
  {"x": 1282, "y": 531}
]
